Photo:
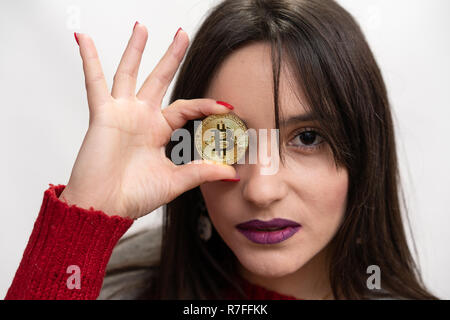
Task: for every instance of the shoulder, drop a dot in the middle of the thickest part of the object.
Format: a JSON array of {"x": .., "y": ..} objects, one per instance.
[{"x": 133, "y": 264}]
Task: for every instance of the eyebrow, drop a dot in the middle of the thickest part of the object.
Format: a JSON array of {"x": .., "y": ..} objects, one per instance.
[
  {"x": 304, "y": 117},
  {"x": 298, "y": 118}
]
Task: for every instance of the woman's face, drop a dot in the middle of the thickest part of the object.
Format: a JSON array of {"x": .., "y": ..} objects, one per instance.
[{"x": 307, "y": 189}]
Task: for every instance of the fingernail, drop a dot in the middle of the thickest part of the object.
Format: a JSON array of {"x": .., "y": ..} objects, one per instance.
[
  {"x": 76, "y": 38},
  {"x": 177, "y": 33},
  {"x": 135, "y": 25},
  {"x": 234, "y": 179},
  {"x": 229, "y": 106}
]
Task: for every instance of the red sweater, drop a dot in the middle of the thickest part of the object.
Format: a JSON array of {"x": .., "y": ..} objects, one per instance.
[{"x": 66, "y": 236}]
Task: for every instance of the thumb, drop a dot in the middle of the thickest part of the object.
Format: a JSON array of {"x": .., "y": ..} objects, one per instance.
[{"x": 197, "y": 172}]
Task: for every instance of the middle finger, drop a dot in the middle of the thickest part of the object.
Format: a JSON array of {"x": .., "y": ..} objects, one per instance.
[{"x": 156, "y": 84}]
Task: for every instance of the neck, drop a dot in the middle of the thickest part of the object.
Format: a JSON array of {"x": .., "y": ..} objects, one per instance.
[{"x": 309, "y": 282}]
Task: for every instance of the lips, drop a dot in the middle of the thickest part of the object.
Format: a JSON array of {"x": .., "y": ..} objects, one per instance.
[
  {"x": 274, "y": 224},
  {"x": 268, "y": 232}
]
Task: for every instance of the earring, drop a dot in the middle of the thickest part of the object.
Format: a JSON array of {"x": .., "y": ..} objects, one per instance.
[{"x": 204, "y": 224}]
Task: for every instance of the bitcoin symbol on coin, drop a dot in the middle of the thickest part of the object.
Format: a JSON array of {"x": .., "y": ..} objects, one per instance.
[{"x": 221, "y": 138}]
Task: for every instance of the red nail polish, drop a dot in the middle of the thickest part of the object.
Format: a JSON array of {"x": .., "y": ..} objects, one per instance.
[
  {"x": 176, "y": 33},
  {"x": 229, "y": 106},
  {"x": 76, "y": 38},
  {"x": 236, "y": 179},
  {"x": 135, "y": 25}
]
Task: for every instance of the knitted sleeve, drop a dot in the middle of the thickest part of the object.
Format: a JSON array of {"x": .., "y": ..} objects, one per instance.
[{"x": 67, "y": 252}]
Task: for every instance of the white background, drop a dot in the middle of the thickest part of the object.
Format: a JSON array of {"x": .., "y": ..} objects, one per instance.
[{"x": 44, "y": 114}]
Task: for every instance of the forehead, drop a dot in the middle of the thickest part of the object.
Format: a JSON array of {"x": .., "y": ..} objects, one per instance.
[{"x": 245, "y": 80}]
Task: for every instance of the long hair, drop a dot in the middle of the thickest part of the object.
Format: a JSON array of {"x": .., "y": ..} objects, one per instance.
[{"x": 332, "y": 63}]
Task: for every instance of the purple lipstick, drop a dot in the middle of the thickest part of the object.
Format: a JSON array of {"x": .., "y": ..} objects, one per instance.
[{"x": 268, "y": 232}]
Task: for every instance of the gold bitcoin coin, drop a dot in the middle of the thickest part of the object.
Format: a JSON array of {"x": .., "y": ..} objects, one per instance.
[{"x": 221, "y": 138}]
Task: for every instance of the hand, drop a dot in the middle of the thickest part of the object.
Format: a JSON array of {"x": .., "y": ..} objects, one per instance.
[{"x": 121, "y": 167}]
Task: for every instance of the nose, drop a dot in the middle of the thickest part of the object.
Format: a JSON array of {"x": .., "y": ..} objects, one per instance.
[{"x": 259, "y": 189}]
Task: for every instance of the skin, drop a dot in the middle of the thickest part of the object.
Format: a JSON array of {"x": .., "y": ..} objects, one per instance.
[
  {"x": 307, "y": 189},
  {"x": 121, "y": 168}
]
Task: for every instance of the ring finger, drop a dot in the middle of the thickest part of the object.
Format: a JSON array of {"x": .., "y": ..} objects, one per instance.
[{"x": 125, "y": 78}]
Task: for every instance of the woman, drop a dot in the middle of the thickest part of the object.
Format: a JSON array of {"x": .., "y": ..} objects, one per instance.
[{"x": 302, "y": 67}]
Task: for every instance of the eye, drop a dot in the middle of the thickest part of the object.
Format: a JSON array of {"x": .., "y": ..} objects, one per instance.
[{"x": 307, "y": 139}]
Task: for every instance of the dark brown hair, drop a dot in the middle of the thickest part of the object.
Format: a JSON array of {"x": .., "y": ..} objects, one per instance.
[{"x": 333, "y": 65}]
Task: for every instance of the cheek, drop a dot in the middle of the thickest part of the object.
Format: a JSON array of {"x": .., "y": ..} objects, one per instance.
[
  {"x": 219, "y": 204},
  {"x": 326, "y": 199},
  {"x": 321, "y": 190},
  {"x": 334, "y": 205}
]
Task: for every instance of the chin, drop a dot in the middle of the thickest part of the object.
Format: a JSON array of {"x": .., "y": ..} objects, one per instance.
[{"x": 269, "y": 265}]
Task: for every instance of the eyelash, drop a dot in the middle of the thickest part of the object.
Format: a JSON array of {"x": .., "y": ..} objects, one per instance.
[{"x": 310, "y": 148}]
